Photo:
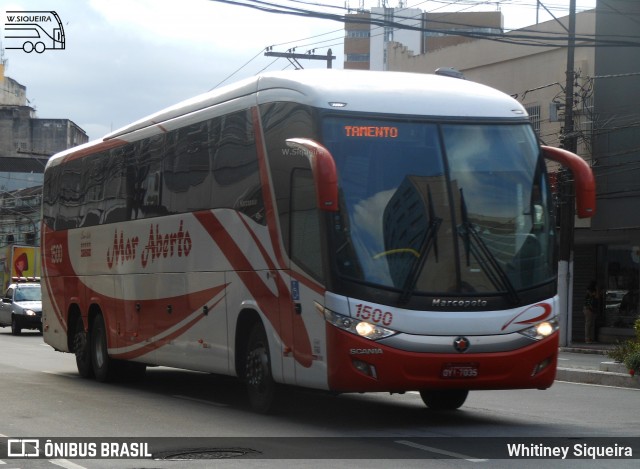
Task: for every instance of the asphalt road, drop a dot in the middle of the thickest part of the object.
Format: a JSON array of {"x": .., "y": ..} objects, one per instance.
[{"x": 42, "y": 396}]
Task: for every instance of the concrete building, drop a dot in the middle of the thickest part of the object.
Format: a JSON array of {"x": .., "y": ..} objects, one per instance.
[
  {"x": 531, "y": 66},
  {"x": 26, "y": 143},
  {"x": 369, "y": 33}
]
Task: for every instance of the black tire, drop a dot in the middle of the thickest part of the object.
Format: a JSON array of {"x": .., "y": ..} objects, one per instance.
[
  {"x": 449, "y": 399},
  {"x": 15, "y": 327},
  {"x": 81, "y": 348},
  {"x": 261, "y": 388},
  {"x": 103, "y": 366}
]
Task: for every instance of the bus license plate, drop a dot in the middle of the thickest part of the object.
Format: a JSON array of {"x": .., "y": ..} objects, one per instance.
[{"x": 459, "y": 370}]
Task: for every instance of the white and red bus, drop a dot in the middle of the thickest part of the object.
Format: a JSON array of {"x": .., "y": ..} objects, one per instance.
[{"x": 339, "y": 230}]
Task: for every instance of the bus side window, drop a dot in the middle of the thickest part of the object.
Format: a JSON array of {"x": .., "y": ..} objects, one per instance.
[
  {"x": 235, "y": 169},
  {"x": 305, "y": 223},
  {"x": 115, "y": 187},
  {"x": 69, "y": 214},
  {"x": 147, "y": 178},
  {"x": 282, "y": 121}
]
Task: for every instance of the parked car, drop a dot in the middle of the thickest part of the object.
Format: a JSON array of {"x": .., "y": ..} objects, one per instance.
[{"x": 21, "y": 306}]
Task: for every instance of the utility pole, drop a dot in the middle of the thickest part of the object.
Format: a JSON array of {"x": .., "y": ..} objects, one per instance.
[
  {"x": 569, "y": 139},
  {"x": 292, "y": 57},
  {"x": 566, "y": 192}
]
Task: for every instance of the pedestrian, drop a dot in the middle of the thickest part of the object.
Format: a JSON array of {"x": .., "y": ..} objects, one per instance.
[{"x": 590, "y": 310}]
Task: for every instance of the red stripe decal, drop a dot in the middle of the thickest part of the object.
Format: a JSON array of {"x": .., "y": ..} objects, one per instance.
[
  {"x": 545, "y": 314},
  {"x": 267, "y": 195},
  {"x": 164, "y": 340},
  {"x": 276, "y": 312}
]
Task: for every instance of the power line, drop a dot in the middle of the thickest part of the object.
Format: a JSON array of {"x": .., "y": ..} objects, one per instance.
[
  {"x": 243, "y": 66},
  {"x": 530, "y": 38},
  {"x": 523, "y": 37}
]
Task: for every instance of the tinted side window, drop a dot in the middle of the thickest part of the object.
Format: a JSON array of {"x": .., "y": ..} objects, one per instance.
[
  {"x": 204, "y": 165},
  {"x": 51, "y": 188},
  {"x": 282, "y": 121},
  {"x": 69, "y": 196},
  {"x": 144, "y": 178},
  {"x": 93, "y": 189},
  {"x": 235, "y": 166},
  {"x": 186, "y": 168},
  {"x": 115, "y": 186},
  {"x": 305, "y": 223}
]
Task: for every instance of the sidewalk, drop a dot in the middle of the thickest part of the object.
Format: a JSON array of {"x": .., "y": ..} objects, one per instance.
[{"x": 589, "y": 364}]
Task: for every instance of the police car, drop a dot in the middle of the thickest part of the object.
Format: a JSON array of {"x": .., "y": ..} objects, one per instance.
[{"x": 21, "y": 306}]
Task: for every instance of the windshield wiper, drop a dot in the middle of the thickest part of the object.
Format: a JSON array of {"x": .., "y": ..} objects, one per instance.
[
  {"x": 474, "y": 245},
  {"x": 430, "y": 241}
]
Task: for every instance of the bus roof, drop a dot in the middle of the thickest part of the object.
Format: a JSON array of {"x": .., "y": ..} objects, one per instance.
[
  {"x": 360, "y": 91},
  {"x": 401, "y": 93}
]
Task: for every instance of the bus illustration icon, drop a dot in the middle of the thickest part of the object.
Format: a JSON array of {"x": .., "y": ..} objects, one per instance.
[{"x": 33, "y": 31}]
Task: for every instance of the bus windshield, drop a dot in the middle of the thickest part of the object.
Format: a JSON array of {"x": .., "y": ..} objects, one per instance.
[{"x": 441, "y": 208}]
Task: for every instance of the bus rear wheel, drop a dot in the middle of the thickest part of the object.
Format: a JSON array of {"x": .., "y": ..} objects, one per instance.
[
  {"x": 103, "y": 366},
  {"x": 448, "y": 399},
  {"x": 82, "y": 350},
  {"x": 261, "y": 387}
]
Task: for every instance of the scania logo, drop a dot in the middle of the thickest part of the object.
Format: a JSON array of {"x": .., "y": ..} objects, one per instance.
[
  {"x": 461, "y": 344},
  {"x": 366, "y": 351},
  {"x": 459, "y": 303}
]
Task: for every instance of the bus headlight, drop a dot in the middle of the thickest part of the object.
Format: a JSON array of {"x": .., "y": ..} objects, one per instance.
[
  {"x": 356, "y": 326},
  {"x": 542, "y": 329}
]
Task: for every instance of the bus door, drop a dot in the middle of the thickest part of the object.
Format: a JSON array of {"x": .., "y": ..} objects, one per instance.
[
  {"x": 306, "y": 255},
  {"x": 286, "y": 318},
  {"x": 57, "y": 39}
]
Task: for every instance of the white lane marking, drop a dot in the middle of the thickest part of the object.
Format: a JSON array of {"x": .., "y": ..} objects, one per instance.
[
  {"x": 66, "y": 464},
  {"x": 431, "y": 449}
]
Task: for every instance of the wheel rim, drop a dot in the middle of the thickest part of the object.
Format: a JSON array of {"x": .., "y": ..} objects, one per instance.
[{"x": 99, "y": 353}]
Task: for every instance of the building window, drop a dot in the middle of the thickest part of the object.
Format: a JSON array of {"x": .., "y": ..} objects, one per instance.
[
  {"x": 460, "y": 31},
  {"x": 358, "y": 57},
  {"x": 358, "y": 33}
]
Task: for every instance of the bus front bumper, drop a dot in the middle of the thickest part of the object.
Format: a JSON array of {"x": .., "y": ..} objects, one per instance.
[{"x": 360, "y": 365}]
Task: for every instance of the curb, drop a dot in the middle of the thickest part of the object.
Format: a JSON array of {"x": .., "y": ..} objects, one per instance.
[
  {"x": 584, "y": 349},
  {"x": 605, "y": 378},
  {"x": 609, "y": 373}
]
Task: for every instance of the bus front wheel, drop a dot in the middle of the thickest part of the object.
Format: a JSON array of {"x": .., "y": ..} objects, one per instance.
[
  {"x": 448, "y": 399},
  {"x": 261, "y": 387}
]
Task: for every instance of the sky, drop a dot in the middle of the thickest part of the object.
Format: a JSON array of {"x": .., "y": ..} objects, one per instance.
[{"x": 126, "y": 59}]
